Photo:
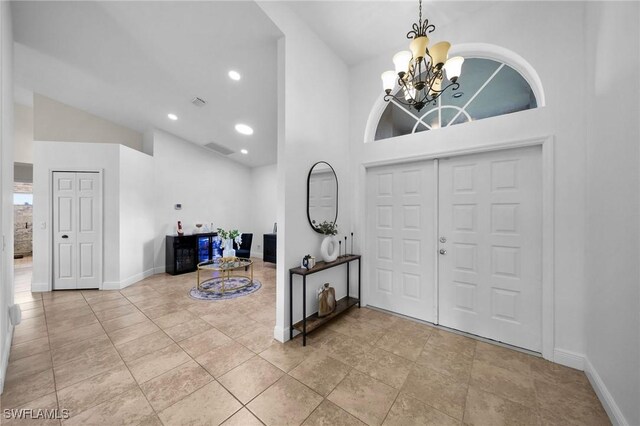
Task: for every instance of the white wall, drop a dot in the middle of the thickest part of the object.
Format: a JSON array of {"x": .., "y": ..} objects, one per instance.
[
  {"x": 313, "y": 125},
  {"x": 264, "y": 183},
  {"x": 210, "y": 188},
  {"x": 55, "y": 121},
  {"x": 51, "y": 156},
  {"x": 564, "y": 30},
  {"x": 613, "y": 196},
  {"x": 136, "y": 217},
  {"x": 23, "y": 132},
  {"x": 6, "y": 183}
]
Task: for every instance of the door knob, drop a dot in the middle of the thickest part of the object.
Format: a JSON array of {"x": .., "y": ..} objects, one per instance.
[
  {"x": 443, "y": 239},
  {"x": 66, "y": 236},
  {"x": 443, "y": 251}
]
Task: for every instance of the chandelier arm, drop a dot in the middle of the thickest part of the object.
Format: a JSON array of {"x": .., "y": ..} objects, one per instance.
[
  {"x": 454, "y": 86},
  {"x": 388, "y": 97}
]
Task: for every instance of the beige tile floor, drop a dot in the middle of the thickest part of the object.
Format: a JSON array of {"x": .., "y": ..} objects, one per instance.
[{"x": 150, "y": 355}]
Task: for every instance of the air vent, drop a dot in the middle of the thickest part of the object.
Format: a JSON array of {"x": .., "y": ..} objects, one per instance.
[
  {"x": 199, "y": 102},
  {"x": 219, "y": 148}
]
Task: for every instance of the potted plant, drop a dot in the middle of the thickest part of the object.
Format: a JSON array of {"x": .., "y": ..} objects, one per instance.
[
  {"x": 329, "y": 248},
  {"x": 229, "y": 237}
]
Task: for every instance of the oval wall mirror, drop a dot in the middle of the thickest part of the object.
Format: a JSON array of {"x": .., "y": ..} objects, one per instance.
[{"x": 322, "y": 195}]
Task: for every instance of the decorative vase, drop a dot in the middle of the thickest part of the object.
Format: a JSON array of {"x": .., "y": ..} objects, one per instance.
[
  {"x": 326, "y": 301},
  {"x": 228, "y": 248},
  {"x": 329, "y": 248},
  {"x": 179, "y": 230}
]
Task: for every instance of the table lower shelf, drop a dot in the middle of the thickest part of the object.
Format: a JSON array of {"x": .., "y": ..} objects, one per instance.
[{"x": 314, "y": 321}]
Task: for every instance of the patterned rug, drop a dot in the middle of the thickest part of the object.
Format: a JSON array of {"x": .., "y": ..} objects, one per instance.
[{"x": 232, "y": 289}]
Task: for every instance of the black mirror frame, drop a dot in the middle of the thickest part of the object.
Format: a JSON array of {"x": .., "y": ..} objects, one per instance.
[{"x": 308, "y": 182}]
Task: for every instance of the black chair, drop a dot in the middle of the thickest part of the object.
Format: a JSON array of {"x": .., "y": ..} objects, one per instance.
[{"x": 245, "y": 248}]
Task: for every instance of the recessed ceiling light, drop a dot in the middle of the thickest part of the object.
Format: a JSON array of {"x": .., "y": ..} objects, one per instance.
[
  {"x": 234, "y": 75},
  {"x": 172, "y": 117},
  {"x": 244, "y": 151},
  {"x": 244, "y": 129}
]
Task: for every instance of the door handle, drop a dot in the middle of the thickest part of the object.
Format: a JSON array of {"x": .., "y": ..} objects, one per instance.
[
  {"x": 443, "y": 251},
  {"x": 65, "y": 236}
]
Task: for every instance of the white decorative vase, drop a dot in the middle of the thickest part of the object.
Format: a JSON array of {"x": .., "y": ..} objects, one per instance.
[
  {"x": 329, "y": 248},
  {"x": 228, "y": 248}
]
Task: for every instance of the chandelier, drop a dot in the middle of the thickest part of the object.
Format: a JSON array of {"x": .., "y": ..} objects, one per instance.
[{"x": 420, "y": 70}]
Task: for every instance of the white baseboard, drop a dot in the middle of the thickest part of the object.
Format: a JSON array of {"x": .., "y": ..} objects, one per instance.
[
  {"x": 119, "y": 285},
  {"x": 137, "y": 277},
  {"x": 609, "y": 404},
  {"x": 159, "y": 270},
  {"x": 281, "y": 334},
  {"x": 569, "y": 359},
  {"x": 38, "y": 287},
  {"x": 111, "y": 285},
  {"x": 4, "y": 362}
]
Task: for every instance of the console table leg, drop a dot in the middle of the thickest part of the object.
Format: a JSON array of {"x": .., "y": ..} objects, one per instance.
[
  {"x": 359, "y": 296},
  {"x": 290, "y": 306},
  {"x": 304, "y": 310},
  {"x": 348, "y": 273}
]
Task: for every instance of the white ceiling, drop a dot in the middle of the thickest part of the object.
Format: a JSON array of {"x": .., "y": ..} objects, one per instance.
[
  {"x": 135, "y": 62},
  {"x": 359, "y": 30}
]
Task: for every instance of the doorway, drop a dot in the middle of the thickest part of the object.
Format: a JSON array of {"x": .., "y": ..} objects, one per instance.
[
  {"x": 458, "y": 242},
  {"x": 77, "y": 230}
]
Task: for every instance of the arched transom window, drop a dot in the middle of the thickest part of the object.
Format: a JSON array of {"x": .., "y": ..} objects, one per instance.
[{"x": 487, "y": 88}]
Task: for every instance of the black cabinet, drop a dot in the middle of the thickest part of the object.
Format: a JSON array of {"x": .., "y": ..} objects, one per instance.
[
  {"x": 183, "y": 253},
  {"x": 270, "y": 248}
]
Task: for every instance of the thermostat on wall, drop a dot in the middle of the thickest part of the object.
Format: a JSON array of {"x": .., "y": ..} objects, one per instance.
[{"x": 178, "y": 206}]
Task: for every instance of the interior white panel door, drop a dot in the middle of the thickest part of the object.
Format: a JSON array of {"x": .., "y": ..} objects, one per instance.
[
  {"x": 89, "y": 235},
  {"x": 401, "y": 239},
  {"x": 64, "y": 231},
  {"x": 490, "y": 213},
  {"x": 77, "y": 230}
]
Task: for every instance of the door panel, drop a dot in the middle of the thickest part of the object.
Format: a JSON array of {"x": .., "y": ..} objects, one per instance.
[
  {"x": 89, "y": 230},
  {"x": 401, "y": 239},
  {"x": 77, "y": 230},
  {"x": 490, "y": 212},
  {"x": 64, "y": 232}
]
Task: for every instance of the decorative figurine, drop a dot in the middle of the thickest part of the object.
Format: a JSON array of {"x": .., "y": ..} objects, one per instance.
[
  {"x": 326, "y": 301},
  {"x": 180, "y": 231}
]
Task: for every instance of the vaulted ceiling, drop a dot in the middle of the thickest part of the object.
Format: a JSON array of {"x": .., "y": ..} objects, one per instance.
[{"x": 135, "y": 62}]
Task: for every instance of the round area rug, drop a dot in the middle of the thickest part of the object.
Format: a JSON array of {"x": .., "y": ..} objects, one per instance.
[{"x": 233, "y": 288}]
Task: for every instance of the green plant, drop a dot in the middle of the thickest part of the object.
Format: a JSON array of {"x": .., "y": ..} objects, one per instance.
[
  {"x": 327, "y": 228},
  {"x": 233, "y": 234}
]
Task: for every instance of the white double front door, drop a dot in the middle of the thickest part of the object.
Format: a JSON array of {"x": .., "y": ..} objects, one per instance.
[
  {"x": 457, "y": 242},
  {"x": 77, "y": 230}
]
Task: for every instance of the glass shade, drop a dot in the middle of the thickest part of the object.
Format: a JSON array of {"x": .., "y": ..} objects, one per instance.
[
  {"x": 453, "y": 67},
  {"x": 401, "y": 61},
  {"x": 418, "y": 47},
  {"x": 388, "y": 80},
  {"x": 439, "y": 52}
]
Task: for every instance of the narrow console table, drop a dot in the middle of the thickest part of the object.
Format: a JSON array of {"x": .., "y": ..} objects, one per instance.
[{"x": 307, "y": 325}]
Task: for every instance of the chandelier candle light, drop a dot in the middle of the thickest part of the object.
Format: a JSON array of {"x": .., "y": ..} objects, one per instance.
[{"x": 420, "y": 70}]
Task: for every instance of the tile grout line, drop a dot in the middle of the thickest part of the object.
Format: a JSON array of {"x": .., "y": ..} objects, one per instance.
[
  {"x": 53, "y": 371},
  {"x": 120, "y": 356}
]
